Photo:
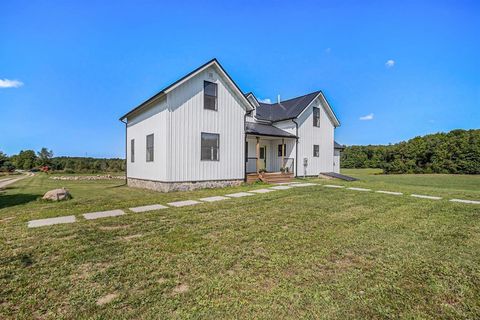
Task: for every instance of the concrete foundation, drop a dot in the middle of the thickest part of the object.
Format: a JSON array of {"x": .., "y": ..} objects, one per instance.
[{"x": 180, "y": 186}]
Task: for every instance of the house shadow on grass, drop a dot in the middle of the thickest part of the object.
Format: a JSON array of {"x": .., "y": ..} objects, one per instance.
[{"x": 10, "y": 200}]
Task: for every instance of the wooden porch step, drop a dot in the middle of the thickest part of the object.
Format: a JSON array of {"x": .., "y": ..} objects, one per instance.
[
  {"x": 270, "y": 177},
  {"x": 276, "y": 177},
  {"x": 252, "y": 177}
]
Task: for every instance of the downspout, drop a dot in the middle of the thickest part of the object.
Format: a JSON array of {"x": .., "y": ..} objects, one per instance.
[
  {"x": 126, "y": 152},
  {"x": 296, "y": 147},
  {"x": 244, "y": 147}
]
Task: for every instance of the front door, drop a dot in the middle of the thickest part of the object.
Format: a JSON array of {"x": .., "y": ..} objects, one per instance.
[{"x": 263, "y": 157}]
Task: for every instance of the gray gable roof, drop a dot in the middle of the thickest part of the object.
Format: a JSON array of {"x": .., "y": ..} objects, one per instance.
[
  {"x": 288, "y": 109},
  {"x": 266, "y": 130},
  {"x": 337, "y": 145}
]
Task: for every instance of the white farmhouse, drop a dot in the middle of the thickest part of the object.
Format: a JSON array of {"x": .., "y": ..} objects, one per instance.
[{"x": 203, "y": 131}]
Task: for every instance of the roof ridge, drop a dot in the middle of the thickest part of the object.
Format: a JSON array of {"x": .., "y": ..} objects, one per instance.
[{"x": 302, "y": 96}]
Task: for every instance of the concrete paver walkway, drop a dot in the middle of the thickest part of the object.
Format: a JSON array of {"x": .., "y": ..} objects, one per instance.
[
  {"x": 359, "y": 189},
  {"x": 333, "y": 186},
  {"x": 280, "y": 187},
  {"x": 103, "y": 214},
  {"x": 307, "y": 184},
  {"x": 148, "y": 208},
  {"x": 213, "y": 199},
  {"x": 390, "y": 192},
  {"x": 425, "y": 197},
  {"x": 262, "y": 190},
  {"x": 50, "y": 221},
  {"x": 239, "y": 194},
  {"x": 183, "y": 203},
  {"x": 465, "y": 201}
]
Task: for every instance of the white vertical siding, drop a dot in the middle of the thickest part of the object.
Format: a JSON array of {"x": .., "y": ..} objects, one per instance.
[
  {"x": 153, "y": 120},
  {"x": 188, "y": 119},
  {"x": 310, "y": 135},
  {"x": 336, "y": 161}
]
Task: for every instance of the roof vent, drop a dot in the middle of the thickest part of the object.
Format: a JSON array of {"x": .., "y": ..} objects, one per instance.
[{"x": 278, "y": 99}]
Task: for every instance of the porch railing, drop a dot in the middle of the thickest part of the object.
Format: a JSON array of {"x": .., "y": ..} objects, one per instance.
[
  {"x": 289, "y": 164},
  {"x": 251, "y": 164}
]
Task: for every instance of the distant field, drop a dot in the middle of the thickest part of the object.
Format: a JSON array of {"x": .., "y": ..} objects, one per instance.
[
  {"x": 448, "y": 185},
  {"x": 310, "y": 252}
]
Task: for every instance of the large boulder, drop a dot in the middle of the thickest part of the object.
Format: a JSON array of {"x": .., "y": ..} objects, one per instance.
[{"x": 57, "y": 195}]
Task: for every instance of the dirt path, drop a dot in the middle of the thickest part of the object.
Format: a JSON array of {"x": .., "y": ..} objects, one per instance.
[{"x": 6, "y": 182}]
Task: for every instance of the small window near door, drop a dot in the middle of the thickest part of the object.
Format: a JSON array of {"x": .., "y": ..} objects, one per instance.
[
  {"x": 316, "y": 150},
  {"x": 262, "y": 153},
  {"x": 150, "y": 148},
  {"x": 210, "y": 146},
  {"x": 281, "y": 152},
  {"x": 132, "y": 150},
  {"x": 246, "y": 151},
  {"x": 209, "y": 95},
  {"x": 316, "y": 117}
]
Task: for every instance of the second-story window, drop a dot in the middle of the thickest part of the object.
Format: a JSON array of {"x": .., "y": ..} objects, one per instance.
[
  {"x": 210, "y": 95},
  {"x": 316, "y": 117}
]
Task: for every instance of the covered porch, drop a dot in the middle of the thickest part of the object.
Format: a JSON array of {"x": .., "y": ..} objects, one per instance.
[{"x": 270, "y": 153}]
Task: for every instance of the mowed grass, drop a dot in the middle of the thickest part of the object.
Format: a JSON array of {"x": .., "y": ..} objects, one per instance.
[{"x": 310, "y": 252}]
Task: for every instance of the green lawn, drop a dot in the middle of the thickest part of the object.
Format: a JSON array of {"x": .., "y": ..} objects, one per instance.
[{"x": 310, "y": 252}]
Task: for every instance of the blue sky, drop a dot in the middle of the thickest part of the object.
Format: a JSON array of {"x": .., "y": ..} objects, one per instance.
[{"x": 406, "y": 68}]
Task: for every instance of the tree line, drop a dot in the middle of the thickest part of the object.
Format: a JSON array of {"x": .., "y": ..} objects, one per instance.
[
  {"x": 457, "y": 151},
  {"x": 44, "y": 160}
]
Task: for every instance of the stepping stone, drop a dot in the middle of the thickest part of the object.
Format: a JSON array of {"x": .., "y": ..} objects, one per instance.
[
  {"x": 51, "y": 221},
  {"x": 103, "y": 214},
  {"x": 262, "y": 190},
  {"x": 426, "y": 197},
  {"x": 286, "y": 183},
  {"x": 307, "y": 184},
  {"x": 183, "y": 203},
  {"x": 239, "y": 194},
  {"x": 390, "y": 192},
  {"x": 465, "y": 201},
  {"x": 332, "y": 186},
  {"x": 359, "y": 189},
  {"x": 148, "y": 208},
  {"x": 212, "y": 199},
  {"x": 280, "y": 187}
]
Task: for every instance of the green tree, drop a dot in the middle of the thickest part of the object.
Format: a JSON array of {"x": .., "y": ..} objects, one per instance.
[
  {"x": 45, "y": 157},
  {"x": 25, "y": 159}
]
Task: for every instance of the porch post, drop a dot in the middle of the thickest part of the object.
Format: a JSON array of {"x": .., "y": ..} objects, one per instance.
[
  {"x": 257, "y": 154},
  {"x": 283, "y": 152}
]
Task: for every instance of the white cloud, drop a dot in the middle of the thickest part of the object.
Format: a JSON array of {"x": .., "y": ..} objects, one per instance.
[
  {"x": 367, "y": 117},
  {"x": 7, "y": 83},
  {"x": 266, "y": 100},
  {"x": 390, "y": 63}
]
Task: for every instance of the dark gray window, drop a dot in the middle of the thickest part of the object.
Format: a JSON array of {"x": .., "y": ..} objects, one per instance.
[
  {"x": 132, "y": 150},
  {"x": 246, "y": 151},
  {"x": 210, "y": 146},
  {"x": 316, "y": 117},
  {"x": 280, "y": 151},
  {"x": 209, "y": 95},
  {"x": 316, "y": 150},
  {"x": 150, "y": 147}
]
